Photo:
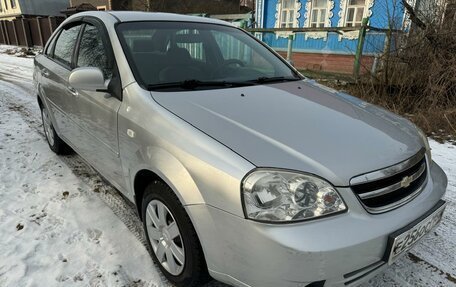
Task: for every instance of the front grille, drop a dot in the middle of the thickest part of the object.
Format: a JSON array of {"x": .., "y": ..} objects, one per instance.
[{"x": 389, "y": 188}]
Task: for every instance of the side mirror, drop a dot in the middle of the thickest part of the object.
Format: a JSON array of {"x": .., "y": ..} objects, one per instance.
[{"x": 88, "y": 79}]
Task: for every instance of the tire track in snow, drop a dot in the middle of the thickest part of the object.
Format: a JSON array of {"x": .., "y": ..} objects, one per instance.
[
  {"x": 124, "y": 210},
  {"x": 86, "y": 173}
]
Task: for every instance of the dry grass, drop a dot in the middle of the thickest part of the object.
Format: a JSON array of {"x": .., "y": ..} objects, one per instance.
[
  {"x": 417, "y": 78},
  {"x": 436, "y": 120}
]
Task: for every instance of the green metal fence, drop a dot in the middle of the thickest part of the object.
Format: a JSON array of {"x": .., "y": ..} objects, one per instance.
[{"x": 360, "y": 45}]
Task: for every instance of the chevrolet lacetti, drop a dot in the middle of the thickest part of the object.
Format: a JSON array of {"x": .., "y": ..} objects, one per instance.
[{"x": 240, "y": 167}]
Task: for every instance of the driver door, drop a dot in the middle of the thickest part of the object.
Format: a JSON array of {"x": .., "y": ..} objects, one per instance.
[{"x": 96, "y": 112}]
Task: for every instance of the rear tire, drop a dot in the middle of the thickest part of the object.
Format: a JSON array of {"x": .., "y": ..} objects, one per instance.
[
  {"x": 56, "y": 144},
  {"x": 172, "y": 238}
]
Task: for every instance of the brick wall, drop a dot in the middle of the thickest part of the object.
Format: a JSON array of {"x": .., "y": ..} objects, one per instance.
[{"x": 329, "y": 62}]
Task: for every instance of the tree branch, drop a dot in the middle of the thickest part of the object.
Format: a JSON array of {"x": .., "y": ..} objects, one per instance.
[{"x": 413, "y": 17}]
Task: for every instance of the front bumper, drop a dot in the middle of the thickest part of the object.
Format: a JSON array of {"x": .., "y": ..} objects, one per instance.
[{"x": 341, "y": 250}]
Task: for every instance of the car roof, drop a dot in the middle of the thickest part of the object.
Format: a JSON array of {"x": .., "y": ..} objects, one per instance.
[{"x": 132, "y": 16}]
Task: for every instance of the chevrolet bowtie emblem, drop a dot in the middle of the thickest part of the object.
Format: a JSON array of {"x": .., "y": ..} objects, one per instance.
[{"x": 405, "y": 182}]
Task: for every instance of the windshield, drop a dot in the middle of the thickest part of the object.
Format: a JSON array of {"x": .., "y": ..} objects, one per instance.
[{"x": 186, "y": 55}]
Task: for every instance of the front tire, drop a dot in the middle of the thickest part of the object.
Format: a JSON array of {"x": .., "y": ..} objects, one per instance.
[
  {"x": 56, "y": 144},
  {"x": 171, "y": 237}
]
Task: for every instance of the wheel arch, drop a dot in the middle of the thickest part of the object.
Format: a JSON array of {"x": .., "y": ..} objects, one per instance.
[
  {"x": 40, "y": 102},
  {"x": 39, "y": 98},
  {"x": 142, "y": 179},
  {"x": 173, "y": 174}
]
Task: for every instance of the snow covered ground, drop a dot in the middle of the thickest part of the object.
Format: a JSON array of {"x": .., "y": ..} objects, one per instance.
[{"x": 61, "y": 225}]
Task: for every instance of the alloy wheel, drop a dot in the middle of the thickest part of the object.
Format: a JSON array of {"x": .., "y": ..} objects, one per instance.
[
  {"x": 165, "y": 237},
  {"x": 48, "y": 126}
]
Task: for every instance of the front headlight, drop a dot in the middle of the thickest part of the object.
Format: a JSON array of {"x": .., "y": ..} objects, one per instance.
[
  {"x": 283, "y": 196},
  {"x": 426, "y": 143}
]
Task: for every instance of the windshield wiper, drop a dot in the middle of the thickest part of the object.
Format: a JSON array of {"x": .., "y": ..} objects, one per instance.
[
  {"x": 264, "y": 80},
  {"x": 192, "y": 84}
]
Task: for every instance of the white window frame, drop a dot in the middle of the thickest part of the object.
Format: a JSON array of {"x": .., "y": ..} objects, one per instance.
[
  {"x": 318, "y": 11},
  {"x": 287, "y": 21},
  {"x": 356, "y": 8},
  {"x": 326, "y": 23},
  {"x": 296, "y": 7},
  {"x": 343, "y": 13},
  {"x": 102, "y": 8}
]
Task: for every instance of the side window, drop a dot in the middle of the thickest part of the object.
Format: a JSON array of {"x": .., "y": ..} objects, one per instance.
[
  {"x": 64, "y": 46},
  {"x": 92, "y": 52},
  {"x": 49, "y": 49}
]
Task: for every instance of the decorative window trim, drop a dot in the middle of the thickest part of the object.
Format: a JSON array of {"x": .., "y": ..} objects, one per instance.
[
  {"x": 307, "y": 15},
  {"x": 259, "y": 17},
  {"x": 298, "y": 5},
  {"x": 407, "y": 22},
  {"x": 351, "y": 35}
]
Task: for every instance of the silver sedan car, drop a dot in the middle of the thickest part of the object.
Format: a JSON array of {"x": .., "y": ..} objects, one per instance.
[{"x": 240, "y": 168}]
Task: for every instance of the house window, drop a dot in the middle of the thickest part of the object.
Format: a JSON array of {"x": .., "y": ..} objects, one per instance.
[
  {"x": 13, "y": 4},
  {"x": 355, "y": 13},
  {"x": 288, "y": 13},
  {"x": 318, "y": 13},
  {"x": 287, "y": 16}
]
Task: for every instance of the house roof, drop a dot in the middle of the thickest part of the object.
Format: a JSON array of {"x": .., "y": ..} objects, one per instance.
[{"x": 80, "y": 8}]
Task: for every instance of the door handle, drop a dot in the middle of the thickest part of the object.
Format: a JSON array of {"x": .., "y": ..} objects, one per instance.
[
  {"x": 45, "y": 73},
  {"x": 72, "y": 91}
]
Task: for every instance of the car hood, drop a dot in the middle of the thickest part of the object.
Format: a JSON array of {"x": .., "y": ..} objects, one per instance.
[{"x": 299, "y": 125}]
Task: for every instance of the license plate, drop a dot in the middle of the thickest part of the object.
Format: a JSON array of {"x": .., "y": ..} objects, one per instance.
[{"x": 403, "y": 239}]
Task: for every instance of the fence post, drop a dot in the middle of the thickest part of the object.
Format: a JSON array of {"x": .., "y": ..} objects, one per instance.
[
  {"x": 26, "y": 31},
  {"x": 3, "y": 32},
  {"x": 290, "y": 46},
  {"x": 52, "y": 24},
  {"x": 40, "y": 32},
  {"x": 359, "y": 48},
  {"x": 15, "y": 33},
  {"x": 386, "y": 56},
  {"x": 5, "y": 28}
]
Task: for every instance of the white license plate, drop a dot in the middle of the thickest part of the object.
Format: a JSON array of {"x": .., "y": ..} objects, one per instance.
[{"x": 401, "y": 241}]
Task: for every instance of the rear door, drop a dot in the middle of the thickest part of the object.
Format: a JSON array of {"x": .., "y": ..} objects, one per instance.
[
  {"x": 55, "y": 68},
  {"x": 96, "y": 112}
]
